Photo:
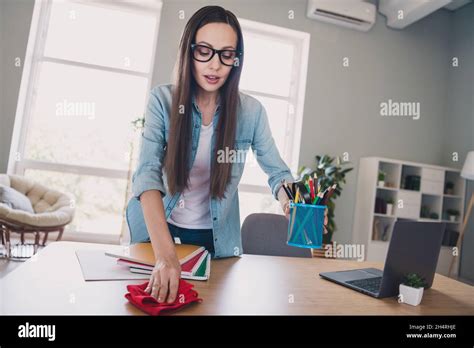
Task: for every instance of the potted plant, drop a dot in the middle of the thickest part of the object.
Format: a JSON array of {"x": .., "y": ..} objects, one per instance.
[
  {"x": 425, "y": 211},
  {"x": 389, "y": 206},
  {"x": 452, "y": 214},
  {"x": 449, "y": 188},
  {"x": 138, "y": 123},
  {"x": 411, "y": 290},
  {"x": 328, "y": 173},
  {"x": 381, "y": 178}
]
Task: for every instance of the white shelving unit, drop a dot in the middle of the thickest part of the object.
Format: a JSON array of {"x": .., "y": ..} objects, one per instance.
[{"x": 419, "y": 193}]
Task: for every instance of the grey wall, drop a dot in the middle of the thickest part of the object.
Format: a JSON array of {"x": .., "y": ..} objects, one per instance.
[
  {"x": 2, "y": 47},
  {"x": 15, "y": 20},
  {"x": 342, "y": 104},
  {"x": 459, "y": 121}
]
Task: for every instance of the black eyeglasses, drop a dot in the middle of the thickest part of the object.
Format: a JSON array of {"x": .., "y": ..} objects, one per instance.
[{"x": 203, "y": 53}]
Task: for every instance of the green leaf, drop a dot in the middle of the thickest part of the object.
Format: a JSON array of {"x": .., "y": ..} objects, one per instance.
[
  {"x": 414, "y": 280},
  {"x": 300, "y": 170},
  {"x": 347, "y": 170},
  {"x": 330, "y": 170}
]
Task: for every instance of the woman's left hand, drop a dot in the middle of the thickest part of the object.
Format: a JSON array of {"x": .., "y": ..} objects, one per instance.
[{"x": 286, "y": 209}]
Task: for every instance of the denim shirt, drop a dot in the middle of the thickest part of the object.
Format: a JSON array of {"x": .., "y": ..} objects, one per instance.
[{"x": 252, "y": 130}]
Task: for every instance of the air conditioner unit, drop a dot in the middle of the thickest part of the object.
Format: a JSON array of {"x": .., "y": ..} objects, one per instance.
[
  {"x": 353, "y": 14},
  {"x": 402, "y": 13}
]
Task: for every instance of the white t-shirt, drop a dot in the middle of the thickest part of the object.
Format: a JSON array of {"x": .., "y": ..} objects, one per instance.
[{"x": 193, "y": 210}]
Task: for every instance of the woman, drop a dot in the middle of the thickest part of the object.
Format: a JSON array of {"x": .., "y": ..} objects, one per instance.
[{"x": 188, "y": 126}]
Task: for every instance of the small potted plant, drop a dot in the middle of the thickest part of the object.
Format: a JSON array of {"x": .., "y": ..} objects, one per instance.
[
  {"x": 390, "y": 206},
  {"x": 452, "y": 214},
  {"x": 449, "y": 188},
  {"x": 381, "y": 179},
  {"x": 425, "y": 211},
  {"x": 411, "y": 290}
]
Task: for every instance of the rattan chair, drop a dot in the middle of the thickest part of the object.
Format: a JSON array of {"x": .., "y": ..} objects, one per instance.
[{"x": 52, "y": 212}]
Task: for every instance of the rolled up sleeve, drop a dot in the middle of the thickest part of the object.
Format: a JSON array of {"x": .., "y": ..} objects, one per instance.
[
  {"x": 267, "y": 153},
  {"x": 149, "y": 173}
]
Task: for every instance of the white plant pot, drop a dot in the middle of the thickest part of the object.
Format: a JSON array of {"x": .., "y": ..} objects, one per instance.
[
  {"x": 382, "y": 183},
  {"x": 389, "y": 209},
  {"x": 409, "y": 295},
  {"x": 452, "y": 218}
]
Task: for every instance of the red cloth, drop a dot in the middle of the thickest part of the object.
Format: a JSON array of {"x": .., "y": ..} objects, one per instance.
[{"x": 147, "y": 303}]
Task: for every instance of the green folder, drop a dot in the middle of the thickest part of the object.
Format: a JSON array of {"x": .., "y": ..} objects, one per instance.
[{"x": 201, "y": 271}]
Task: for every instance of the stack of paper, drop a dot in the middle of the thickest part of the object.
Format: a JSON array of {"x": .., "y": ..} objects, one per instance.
[{"x": 139, "y": 258}]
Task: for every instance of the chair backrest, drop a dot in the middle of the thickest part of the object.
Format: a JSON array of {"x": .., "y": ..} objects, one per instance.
[{"x": 266, "y": 234}]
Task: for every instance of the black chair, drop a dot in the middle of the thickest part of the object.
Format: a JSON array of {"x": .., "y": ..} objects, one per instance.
[{"x": 266, "y": 234}]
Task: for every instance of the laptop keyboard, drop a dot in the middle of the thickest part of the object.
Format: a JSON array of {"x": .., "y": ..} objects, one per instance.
[{"x": 369, "y": 284}]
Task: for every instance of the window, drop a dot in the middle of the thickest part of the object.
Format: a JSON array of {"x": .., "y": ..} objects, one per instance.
[
  {"x": 274, "y": 72},
  {"x": 83, "y": 84}
]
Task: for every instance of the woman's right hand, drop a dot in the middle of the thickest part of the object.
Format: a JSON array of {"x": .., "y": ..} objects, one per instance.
[{"x": 164, "y": 279}]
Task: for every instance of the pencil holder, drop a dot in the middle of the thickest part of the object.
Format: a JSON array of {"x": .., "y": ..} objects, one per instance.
[{"x": 305, "y": 228}]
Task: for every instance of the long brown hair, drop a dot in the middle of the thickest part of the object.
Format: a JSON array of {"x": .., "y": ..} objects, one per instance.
[{"x": 176, "y": 164}]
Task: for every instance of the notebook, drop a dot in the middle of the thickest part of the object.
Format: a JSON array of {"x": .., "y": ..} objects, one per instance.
[
  {"x": 188, "y": 268},
  {"x": 191, "y": 267},
  {"x": 143, "y": 253},
  {"x": 134, "y": 264},
  {"x": 202, "y": 272}
]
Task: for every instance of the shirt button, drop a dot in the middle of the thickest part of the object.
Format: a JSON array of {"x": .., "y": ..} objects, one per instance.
[
  {"x": 215, "y": 219},
  {"x": 215, "y": 240},
  {"x": 196, "y": 126}
]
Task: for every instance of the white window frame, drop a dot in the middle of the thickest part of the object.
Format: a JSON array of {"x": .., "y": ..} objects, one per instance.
[
  {"x": 301, "y": 41},
  {"x": 34, "y": 55}
]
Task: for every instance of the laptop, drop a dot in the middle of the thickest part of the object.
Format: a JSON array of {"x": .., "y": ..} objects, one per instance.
[{"x": 414, "y": 248}]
